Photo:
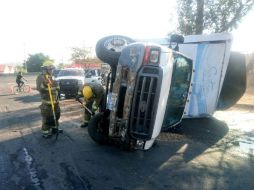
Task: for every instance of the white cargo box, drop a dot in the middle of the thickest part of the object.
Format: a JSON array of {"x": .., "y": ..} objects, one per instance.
[{"x": 210, "y": 55}]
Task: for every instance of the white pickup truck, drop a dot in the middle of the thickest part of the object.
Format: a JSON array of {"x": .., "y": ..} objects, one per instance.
[
  {"x": 71, "y": 79},
  {"x": 153, "y": 87}
]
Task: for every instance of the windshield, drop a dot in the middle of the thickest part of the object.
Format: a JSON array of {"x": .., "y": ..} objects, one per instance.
[
  {"x": 90, "y": 72},
  {"x": 71, "y": 73},
  {"x": 55, "y": 72},
  {"x": 180, "y": 83}
]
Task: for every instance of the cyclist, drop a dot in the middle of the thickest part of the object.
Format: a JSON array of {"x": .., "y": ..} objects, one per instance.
[{"x": 19, "y": 79}]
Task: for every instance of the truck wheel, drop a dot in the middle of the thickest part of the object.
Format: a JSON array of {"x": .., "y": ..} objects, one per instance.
[
  {"x": 108, "y": 49},
  {"x": 98, "y": 128}
]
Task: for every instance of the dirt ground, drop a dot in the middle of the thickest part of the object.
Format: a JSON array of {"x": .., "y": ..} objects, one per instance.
[{"x": 215, "y": 153}]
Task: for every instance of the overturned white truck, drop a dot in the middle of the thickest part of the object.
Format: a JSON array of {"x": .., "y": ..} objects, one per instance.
[{"x": 151, "y": 87}]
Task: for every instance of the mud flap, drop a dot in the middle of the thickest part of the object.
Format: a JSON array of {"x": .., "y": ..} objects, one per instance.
[{"x": 234, "y": 84}]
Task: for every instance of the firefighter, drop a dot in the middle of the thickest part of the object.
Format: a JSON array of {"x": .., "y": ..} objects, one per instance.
[
  {"x": 49, "y": 122},
  {"x": 93, "y": 94}
]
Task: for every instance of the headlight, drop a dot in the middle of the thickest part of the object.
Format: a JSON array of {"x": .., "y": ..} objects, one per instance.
[{"x": 152, "y": 55}]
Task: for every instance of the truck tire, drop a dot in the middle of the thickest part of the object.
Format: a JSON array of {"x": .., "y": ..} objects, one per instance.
[
  {"x": 108, "y": 49},
  {"x": 98, "y": 129},
  {"x": 235, "y": 83}
]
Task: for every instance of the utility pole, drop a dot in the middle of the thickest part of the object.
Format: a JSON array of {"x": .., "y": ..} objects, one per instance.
[{"x": 25, "y": 57}]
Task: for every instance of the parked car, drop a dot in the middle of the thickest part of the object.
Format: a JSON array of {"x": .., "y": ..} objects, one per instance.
[
  {"x": 71, "y": 79},
  {"x": 92, "y": 75},
  {"x": 55, "y": 73}
]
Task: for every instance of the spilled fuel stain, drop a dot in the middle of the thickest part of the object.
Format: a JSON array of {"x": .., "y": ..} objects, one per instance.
[{"x": 32, "y": 171}]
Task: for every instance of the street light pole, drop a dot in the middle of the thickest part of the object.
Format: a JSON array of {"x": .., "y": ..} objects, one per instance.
[{"x": 25, "y": 66}]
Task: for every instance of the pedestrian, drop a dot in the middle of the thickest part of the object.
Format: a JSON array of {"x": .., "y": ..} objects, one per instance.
[
  {"x": 48, "y": 87},
  {"x": 93, "y": 94}
]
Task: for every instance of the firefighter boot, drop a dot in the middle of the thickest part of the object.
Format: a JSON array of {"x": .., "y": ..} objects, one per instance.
[{"x": 46, "y": 134}]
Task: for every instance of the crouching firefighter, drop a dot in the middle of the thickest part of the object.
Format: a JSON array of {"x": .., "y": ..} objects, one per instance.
[
  {"x": 93, "y": 94},
  {"x": 50, "y": 109}
]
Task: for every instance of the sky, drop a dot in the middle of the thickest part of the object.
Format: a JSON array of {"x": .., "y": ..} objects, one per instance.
[{"x": 53, "y": 27}]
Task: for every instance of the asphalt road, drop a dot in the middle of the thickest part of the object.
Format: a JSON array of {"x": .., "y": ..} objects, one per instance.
[{"x": 215, "y": 153}]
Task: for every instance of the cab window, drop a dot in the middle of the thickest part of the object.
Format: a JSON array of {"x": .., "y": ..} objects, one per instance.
[
  {"x": 180, "y": 83},
  {"x": 90, "y": 73}
]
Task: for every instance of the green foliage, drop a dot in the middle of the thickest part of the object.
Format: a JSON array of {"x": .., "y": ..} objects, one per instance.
[
  {"x": 21, "y": 68},
  {"x": 186, "y": 16},
  {"x": 60, "y": 66},
  {"x": 198, "y": 16},
  {"x": 80, "y": 53},
  {"x": 34, "y": 62}
]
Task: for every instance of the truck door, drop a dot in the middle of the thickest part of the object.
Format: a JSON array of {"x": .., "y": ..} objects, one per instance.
[{"x": 179, "y": 89}]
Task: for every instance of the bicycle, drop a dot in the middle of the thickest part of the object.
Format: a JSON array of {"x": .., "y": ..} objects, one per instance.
[{"x": 24, "y": 88}]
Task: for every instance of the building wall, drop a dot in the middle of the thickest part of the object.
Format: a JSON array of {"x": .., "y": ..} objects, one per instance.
[{"x": 7, "y": 69}]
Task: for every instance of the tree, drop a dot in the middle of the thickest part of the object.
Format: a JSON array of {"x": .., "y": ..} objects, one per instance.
[
  {"x": 198, "y": 16},
  {"x": 34, "y": 62},
  {"x": 60, "y": 66},
  {"x": 83, "y": 56},
  {"x": 80, "y": 53},
  {"x": 20, "y": 68}
]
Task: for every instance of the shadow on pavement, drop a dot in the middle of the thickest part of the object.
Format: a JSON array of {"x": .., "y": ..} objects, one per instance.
[
  {"x": 6, "y": 95},
  {"x": 205, "y": 130},
  {"x": 161, "y": 167},
  {"x": 28, "y": 98},
  {"x": 76, "y": 162}
]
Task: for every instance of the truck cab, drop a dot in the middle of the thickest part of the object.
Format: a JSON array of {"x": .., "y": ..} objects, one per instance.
[
  {"x": 138, "y": 92},
  {"x": 151, "y": 81}
]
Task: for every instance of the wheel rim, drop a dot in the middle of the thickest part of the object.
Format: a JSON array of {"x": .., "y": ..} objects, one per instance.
[
  {"x": 15, "y": 90},
  {"x": 116, "y": 44},
  {"x": 26, "y": 88}
]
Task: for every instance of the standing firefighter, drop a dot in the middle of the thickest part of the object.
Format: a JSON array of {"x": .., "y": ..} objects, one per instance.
[
  {"x": 93, "y": 94},
  {"x": 50, "y": 110}
]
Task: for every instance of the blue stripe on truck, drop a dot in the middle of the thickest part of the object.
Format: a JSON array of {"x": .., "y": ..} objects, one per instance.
[{"x": 197, "y": 89}]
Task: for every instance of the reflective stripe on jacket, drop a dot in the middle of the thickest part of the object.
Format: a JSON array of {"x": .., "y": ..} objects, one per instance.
[{"x": 42, "y": 87}]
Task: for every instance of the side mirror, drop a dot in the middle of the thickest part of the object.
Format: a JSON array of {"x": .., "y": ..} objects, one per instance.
[{"x": 175, "y": 39}]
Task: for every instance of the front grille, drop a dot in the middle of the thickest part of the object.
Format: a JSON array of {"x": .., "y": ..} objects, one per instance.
[
  {"x": 150, "y": 70},
  {"x": 68, "y": 84},
  {"x": 145, "y": 101}
]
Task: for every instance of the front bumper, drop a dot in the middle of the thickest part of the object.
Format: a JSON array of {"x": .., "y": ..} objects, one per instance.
[{"x": 69, "y": 87}]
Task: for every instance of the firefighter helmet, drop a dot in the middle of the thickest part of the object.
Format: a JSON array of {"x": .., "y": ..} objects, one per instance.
[{"x": 87, "y": 92}]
